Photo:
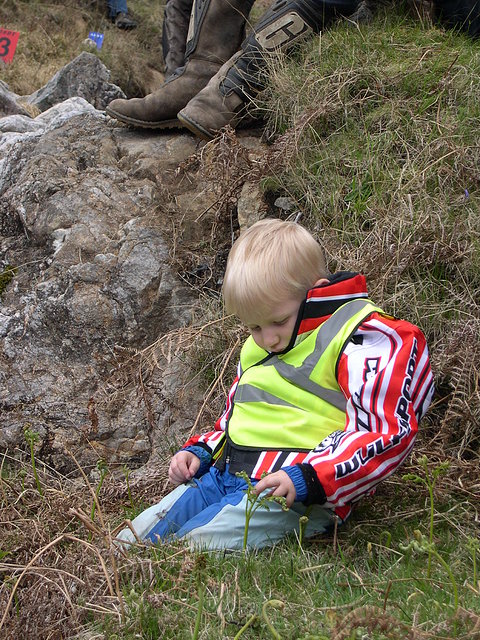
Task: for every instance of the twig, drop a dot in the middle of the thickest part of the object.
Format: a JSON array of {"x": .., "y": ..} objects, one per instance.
[
  {"x": 86, "y": 521},
  {"x": 91, "y": 546},
  {"x": 335, "y": 528},
  {"x": 132, "y": 529},
  {"x": 90, "y": 488},
  {"x": 7, "y": 567}
]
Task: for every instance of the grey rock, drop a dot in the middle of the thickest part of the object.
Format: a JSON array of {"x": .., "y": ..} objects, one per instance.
[
  {"x": 86, "y": 76},
  {"x": 285, "y": 204},
  {"x": 9, "y": 104},
  {"x": 94, "y": 286},
  {"x": 251, "y": 205},
  {"x": 19, "y": 124},
  {"x": 50, "y": 119},
  {"x": 20, "y": 133}
]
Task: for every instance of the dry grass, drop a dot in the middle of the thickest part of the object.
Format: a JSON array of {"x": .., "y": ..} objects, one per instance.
[
  {"x": 53, "y": 33},
  {"x": 59, "y": 566},
  {"x": 204, "y": 354},
  {"x": 61, "y": 574}
]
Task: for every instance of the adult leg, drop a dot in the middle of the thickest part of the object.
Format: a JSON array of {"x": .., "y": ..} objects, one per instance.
[
  {"x": 118, "y": 13},
  {"x": 216, "y": 28},
  {"x": 459, "y": 14},
  {"x": 116, "y": 6},
  {"x": 239, "y": 80},
  {"x": 174, "y": 33}
]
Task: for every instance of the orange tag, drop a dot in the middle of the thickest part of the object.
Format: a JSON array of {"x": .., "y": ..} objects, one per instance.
[{"x": 8, "y": 44}]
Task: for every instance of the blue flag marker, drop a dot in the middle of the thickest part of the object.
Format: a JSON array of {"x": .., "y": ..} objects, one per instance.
[{"x": 97, "y": 38}]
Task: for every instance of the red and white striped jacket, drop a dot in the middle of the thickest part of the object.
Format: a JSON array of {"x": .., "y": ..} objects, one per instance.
[{"x": 384, "y": 373}]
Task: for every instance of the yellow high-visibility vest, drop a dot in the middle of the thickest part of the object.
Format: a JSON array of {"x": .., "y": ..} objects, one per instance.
[{"x": 292, "y": 401}]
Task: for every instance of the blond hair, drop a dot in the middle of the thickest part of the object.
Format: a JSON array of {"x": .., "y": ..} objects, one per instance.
[{"x": 273, "y": 260}]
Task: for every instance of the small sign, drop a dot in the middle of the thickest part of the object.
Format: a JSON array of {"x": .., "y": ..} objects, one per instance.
[
  {"x": 97, "y": 38},
  {"x": 8, "y": 44}
]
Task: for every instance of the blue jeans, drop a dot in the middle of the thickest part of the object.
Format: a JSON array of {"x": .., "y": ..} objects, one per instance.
[
  {"x": 116, "y": 6},
  {"x": 209, "y": 513}
]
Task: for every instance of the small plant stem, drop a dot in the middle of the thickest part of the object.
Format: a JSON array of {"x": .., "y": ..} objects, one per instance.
[
  {"x": 129, "y": 493},
  {"x": 97, "y": 491},
  {"x": 248, "y": 515},
  {"x": 450, "y": 575},
  {"x": 302, "y": 525},
  {"x": 387, "y": 592},
  {"x": 2, "y": 483},
  {"x": 430, "y": 535},
  {"x": 421, "y": 545},
  {"x": 249, "y": 623},
  {"x": 428, "y": 481},
  {"x": 255, "y": 501},
  {"x": 31, "y": 437},
  {"x": 473, "y": 545},
  {"x": 388, "y": 536},
  {"x": 34, "y": 467},
  {"x": 201, "y": 597},
  {"x": 276, "y": 604},
  {"x": 103, "y": 474},
  {"x": 474, "y": 559}
]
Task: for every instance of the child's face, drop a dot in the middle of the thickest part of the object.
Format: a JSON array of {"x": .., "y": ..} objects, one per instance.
[{"x": 273, "y": 332}]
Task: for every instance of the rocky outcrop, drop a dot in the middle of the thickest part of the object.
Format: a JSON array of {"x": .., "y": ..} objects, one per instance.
[
  {"x": 90, "y": 214},
  {"x": 92, "y": 284}
]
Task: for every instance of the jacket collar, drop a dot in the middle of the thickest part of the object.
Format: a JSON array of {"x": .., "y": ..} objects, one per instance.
[{"x": 322, "y": 301}]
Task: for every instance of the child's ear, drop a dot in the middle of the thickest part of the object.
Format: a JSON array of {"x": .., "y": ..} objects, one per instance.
[{"x": 321, "y": 282}]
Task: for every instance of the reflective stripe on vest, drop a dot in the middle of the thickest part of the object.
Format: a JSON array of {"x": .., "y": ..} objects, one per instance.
[{"x": 292, "y": 401}]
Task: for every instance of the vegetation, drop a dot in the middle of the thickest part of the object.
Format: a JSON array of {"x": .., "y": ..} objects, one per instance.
[
  {"x": 6, "y": 276},
  {"x": 373, "y": 133}
]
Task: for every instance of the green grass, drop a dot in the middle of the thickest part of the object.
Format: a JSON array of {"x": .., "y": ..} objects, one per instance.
[
  {"x": 6, "y": 276},
  {"x": 369, "y": 579},
  {"x": 370, "y": 576},
  {"x": 318, "y": 587}
]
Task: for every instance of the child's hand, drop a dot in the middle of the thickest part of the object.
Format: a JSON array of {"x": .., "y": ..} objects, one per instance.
[
  {"x": 183, "y": 466},
  {"x": 281, "y": 485}
]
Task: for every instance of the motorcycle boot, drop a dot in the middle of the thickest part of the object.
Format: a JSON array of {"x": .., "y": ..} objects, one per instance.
[
  {"x": 225, "y": 99},
  {"x": 216, "y": 30},
  {"x": 174, "y": 34}
]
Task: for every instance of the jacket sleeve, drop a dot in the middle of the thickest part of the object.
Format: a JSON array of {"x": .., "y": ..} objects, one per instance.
[
  {"x": 385, "y": 375},
  {"x": 213, "y": 441}
]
